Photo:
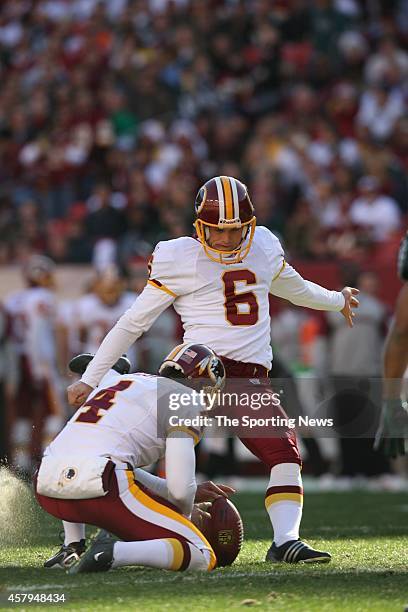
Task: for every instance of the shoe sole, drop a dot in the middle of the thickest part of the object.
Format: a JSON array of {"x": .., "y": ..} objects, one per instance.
[
  {"x": 314, "y": 560},
  {"x": 73, "y": 558}
]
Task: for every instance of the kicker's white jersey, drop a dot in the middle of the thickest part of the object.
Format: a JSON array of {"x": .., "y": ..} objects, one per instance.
[
  {"x": 120, "y": 420},
  {"x": 223, "y": 306}
]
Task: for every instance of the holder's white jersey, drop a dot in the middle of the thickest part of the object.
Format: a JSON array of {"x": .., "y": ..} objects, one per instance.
[
  {"x": 225, "y": 306},
  {"x": 123, "y": 418}
]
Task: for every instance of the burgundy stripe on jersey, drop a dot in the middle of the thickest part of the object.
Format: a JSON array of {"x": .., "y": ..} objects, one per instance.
[{"x": 156, "y": 282}]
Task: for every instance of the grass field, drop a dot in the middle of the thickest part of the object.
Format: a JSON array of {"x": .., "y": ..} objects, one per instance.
[{"x": 367, "y": 534}]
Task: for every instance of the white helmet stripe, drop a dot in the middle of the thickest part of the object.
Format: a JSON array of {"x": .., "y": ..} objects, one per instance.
[
  {"x": 234, "y": 197},
  {"x": 220, "y": 197}
]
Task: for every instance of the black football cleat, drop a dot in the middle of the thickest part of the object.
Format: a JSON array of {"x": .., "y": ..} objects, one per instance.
[
  {"x": 98, "y": 557},
  {"x": 79, "y": 364},
  {"x": 66, "y": 556},
  {"x": 296, "y": 551}
]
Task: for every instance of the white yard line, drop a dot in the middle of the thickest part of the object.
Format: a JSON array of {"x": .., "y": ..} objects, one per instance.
[{"x": 153, "y": 580}]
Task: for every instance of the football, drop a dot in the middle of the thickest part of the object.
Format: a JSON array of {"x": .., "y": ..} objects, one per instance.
[{"x": 224, "y": 531}]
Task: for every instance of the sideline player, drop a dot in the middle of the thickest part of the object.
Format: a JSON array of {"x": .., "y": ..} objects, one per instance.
[
  {"x": 89, "y": 473},
  {"x": 35, "y": 409},
  {"x": 98, "y": 311},
  {"x": 84, "y": 322},
  {"x": 393, "y": 429},
  {"x": 219, "y": 283}
]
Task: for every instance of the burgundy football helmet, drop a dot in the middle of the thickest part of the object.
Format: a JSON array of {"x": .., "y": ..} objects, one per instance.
[
  {"x": 223, "y": 202},
  {"x": 39, "y": 271},
  {"x": 193, "y": 362}
]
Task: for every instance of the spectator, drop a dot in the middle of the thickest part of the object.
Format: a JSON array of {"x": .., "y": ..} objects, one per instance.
[
  {"x": 285, "y": 93},
  {"x": 104, "y": 220},
  {"x": 380, "y": 109},
  {"x": 355, "y": 367},
  {"x": 389, "y": 63},
  {"x": 374, "y": 210}
]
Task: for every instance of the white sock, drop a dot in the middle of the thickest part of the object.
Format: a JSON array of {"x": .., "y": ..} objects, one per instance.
[
  {"x": 284, "y": 501},
  {"x": 163, "y": 554},
  {"x": 73, "y": 532}
]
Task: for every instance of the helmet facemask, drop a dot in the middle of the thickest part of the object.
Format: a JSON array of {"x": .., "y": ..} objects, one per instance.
[{"x": 226, "y": 257}]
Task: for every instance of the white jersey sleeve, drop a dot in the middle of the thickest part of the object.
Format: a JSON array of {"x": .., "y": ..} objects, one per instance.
[
  {"x": 157, "y": 485},
  {"x": 180, "y": 472},
  {"x": 166, "y": 282},
  {"x": 287, "y": 283},
  {"x": 167, "y": 269},
  {"x": 293, "y": 287},
  {"x": 136, "y": 320},
  {"x": 180, "y": 486}
]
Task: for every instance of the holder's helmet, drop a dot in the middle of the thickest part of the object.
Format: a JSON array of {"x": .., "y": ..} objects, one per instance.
[{"x": 193, "y": 362}]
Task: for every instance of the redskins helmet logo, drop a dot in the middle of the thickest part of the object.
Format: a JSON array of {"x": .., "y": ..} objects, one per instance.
[
  {"x": 200, "y": 199},
  {"x": 203, "y": 365}
]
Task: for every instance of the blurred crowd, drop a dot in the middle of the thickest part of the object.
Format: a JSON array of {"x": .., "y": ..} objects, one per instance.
[{"x": 113, "y": 112}]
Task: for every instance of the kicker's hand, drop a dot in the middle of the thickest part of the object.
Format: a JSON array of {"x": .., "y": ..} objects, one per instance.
[
  {"x": 78, "y": 393},
  {"x": 350, "y": 302},
  {"x": 393, "y": 429},
  {"x": 208, "y": 491}
]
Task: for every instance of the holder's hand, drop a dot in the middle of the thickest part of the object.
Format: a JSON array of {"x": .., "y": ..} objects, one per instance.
[
  {"x": 208, "y": 491},
  {"x": 200, "y": 515}
]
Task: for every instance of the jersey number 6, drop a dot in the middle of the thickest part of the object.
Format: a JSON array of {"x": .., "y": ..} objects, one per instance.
[
  {"x": 101, "y": 401},
  {"x": 235, "y": 314}
]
